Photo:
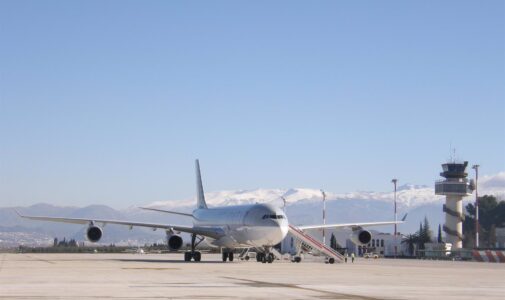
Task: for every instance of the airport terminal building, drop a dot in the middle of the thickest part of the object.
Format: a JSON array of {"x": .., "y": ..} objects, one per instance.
[{"x": 382, "y": 244}]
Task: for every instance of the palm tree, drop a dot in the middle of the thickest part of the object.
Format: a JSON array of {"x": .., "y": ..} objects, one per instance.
[{"x": 411, "y": 240}]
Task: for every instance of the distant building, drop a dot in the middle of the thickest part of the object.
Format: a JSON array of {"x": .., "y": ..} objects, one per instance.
[
  {"x": 500, "y": 237},
  {"x": 382, "y": 244},
  {"x": 288, "y": 245},
  {"x": 434, "y": 250}
]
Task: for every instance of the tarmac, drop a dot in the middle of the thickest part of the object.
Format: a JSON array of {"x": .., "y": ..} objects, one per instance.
[{"x": 166, "y": 276}]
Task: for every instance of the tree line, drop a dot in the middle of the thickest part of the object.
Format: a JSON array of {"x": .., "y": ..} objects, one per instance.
[
  {"x": 491, "y": 216},
  {"x": 418, "y": 239}
]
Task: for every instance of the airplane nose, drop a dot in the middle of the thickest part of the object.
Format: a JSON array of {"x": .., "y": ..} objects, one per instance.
[{"x": 282, "y": 231}]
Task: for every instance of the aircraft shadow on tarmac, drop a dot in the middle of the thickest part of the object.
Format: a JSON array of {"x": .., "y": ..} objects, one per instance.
[{"x": 164, "y": 261}]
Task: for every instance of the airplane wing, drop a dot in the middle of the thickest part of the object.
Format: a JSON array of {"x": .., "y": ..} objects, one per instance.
[
  {"x": 352, "y": 225},
  {"x": 205, "y": 231},
  {"x": 167, "y": 211}
]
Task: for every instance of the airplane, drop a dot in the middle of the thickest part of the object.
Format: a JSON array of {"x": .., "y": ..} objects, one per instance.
[{"x": 257, "y": 226}]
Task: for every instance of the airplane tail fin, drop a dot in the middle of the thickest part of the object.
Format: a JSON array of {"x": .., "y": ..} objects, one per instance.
[{"x": 200, "y": 197}]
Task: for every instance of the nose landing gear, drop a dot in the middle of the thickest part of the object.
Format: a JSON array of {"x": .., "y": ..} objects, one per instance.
[{"x": 296, "y": 259}]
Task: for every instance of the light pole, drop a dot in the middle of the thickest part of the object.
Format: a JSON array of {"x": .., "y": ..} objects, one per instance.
[
  {"x": 476, "y": 168},
  {"x": 324, "y": 215},
  {"x": 394, "y": 181}
]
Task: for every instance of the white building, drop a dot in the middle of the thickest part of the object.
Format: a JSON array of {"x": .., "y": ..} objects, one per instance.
[
  {"x": 437, "y": 249},
  {"x": 288, "y": 245},
  {"x": 500, "y": 237},
  {"x": 382, "y": 244}
]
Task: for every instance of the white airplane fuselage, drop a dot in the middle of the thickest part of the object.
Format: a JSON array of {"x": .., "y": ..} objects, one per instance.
[{"x": 255, "y": 225}]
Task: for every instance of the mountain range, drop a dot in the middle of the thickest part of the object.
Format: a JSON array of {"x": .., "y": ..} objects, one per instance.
[{"x": 303, "y": 206}]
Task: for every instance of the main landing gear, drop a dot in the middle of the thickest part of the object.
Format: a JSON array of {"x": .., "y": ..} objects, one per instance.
[
  {"x": 227, "y": 255},
  {"x": 195, "y": 255},
  {"x": 265, "y": 257}
]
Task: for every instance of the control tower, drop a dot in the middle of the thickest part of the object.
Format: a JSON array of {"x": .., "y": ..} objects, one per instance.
[{"x": 455, "y": 186}]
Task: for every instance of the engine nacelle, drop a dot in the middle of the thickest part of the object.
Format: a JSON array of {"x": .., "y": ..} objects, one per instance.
[
  {"x": 174, "y": 242},
  {"x": 361, "y": 237},
  {"x": 94, "y": 233}
]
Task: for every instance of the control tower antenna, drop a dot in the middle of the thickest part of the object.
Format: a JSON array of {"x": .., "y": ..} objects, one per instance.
[
  {"x": 454, "y": 187},
  {"x": 452, "y": 154}
]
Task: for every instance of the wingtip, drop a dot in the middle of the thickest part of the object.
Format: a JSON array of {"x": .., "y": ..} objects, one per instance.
[
  {"x": 404, "y": 217},
  {"x": 17, "y": 212}
]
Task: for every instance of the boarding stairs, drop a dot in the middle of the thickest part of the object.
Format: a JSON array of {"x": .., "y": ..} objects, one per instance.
[{"x": 311, "y": 242}]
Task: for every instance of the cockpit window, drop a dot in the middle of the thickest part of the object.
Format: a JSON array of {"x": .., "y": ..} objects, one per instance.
[{"x": 273, "y": 217}]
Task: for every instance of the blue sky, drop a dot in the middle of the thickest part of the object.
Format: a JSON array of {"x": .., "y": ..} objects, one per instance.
[{"x": 110, "y": 101}]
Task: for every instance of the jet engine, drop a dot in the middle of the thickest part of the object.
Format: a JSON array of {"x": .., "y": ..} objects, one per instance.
[
  {"x": 94, "y": 233},
  {"x": 361, "y": 236},
  {"x": 174, "y": 242}
]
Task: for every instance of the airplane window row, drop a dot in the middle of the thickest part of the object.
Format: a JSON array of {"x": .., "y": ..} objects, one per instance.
[{"x": 273, "y": 217}]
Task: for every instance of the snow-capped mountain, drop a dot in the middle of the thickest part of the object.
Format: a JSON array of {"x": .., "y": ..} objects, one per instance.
[{"x": 408, "y": 196}]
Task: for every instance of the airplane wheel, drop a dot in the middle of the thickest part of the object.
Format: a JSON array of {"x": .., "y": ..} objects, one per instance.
[
  {"x": 246, "y": 258},
  {"x": 270, "y": 258},
  {"x": 331, "y": 260},
  {"x": 259, "y": 257},
  {"x": 187, "y": 256},
  {"x": 197, "y": 256},
  {"x": 298, "y": 259},
  {"x": 230, "y": 256},
  {"x": 263, "y": 259},
  {"x": 225, "y": 256}
]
